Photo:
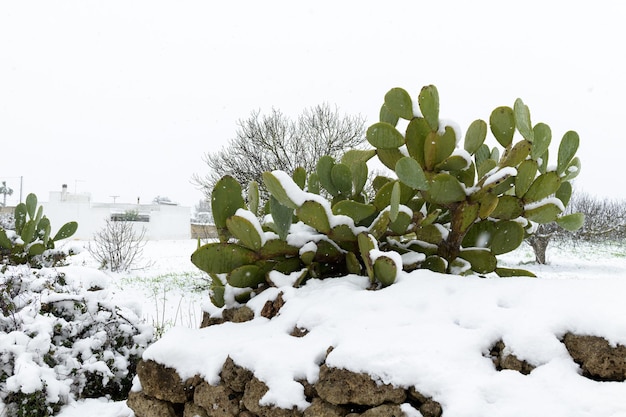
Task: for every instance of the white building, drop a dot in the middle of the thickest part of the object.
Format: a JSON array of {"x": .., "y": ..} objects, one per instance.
[{"x": 161, "y": 221}]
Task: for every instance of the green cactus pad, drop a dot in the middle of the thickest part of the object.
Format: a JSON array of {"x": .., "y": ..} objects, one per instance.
[
  {"x": 355, "y": 210},
  {"x": 383, "y": 196},
  {"x": 399, "y": 102},
  {"x": 526, "y": 172},
  {"x": 324, "y": 169},
  {"x": 5, "y": 242},
  {"x": 341, "y": 177},
  {"x": 20, "y": 214},
  {"x": 243, "y": 229},
  {"x": 352, "y": 264},
  {"x": 435, "y": 263},
  {"x": 543, "y": 214},
  {"x": 564, "y": 193},
  {"x": 429, "y": 234},
  {"x": 416, "y": 133},
  {"x": 571, "y": 222},
  {"x": 357, "y": 155},
  {"x": 502, "y": 124},
  {"x": 401, "y": 223},
  {"x": 428, "y": 100},
  {"x": 217, "y": 296},
  {"x": 384, "y": 136},
  {"x": 277, "y": 190},
  {"x": 389, "y": 157},
  {"x": 410, "y": 173},
  {"x": 365, "y": 246},
  {"x": 313, "y": 185},
  {"x": 468, "y": 215},
  {"x": 508, "y": 235},
  {"x": 314, "y": 214},
  {"x": 453, "y": 163},
  {"x": 488, "y": 204},
  {"x": 387, "y": 116},
  {"x": 282, "y": 217},
  {"x": 253, "y": 197},
  {"x": 522, "y": 120},
  {"x": 226, "y": 199},
  {"x": 359, "y": 176},
  {"x": 543, "y": 186},
  {"x": 31, "y": 205},
  {"x": 299, "y": 177},
  {"x": 482, "y": 260},
  {"x": 394, "y": 202},
  {"x": 486, "y": 166},
  {"x": 572, "y": 170},
  {"x": 518, "y": 153},
  {"x": 277, "y": 248},
  {"x": 508, "y": 272},
  {"x": 567, "y": 150},
  {"x": 541, "y": 143},
  {"x": 246, "y": 276},
  {"x": 67, "y": 230},
  {"x": 475, "y": 136},
  {"x": 445, "y": 189},
  {"x": 385, "y": 270},
  {"x": 28, "y": 232},
  {"x": 508, "y": 208},
  {"x": 220, "y": 258}
]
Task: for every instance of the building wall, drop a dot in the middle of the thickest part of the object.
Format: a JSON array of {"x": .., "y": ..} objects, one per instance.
[{"x": 167, "y": 222}]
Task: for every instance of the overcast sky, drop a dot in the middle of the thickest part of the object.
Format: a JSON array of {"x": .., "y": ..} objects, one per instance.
[{"x": 123, "y": 98}]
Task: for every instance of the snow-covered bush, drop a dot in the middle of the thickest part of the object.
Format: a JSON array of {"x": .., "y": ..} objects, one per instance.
[
  {"x": 63, "y": 338},
  {"x": 450, "y": 206}
]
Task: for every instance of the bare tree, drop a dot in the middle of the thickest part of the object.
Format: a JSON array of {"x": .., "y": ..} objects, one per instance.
[
  {"x": 605, "y": 220},
  {"x": 5, "y": 191},
  {"x": 117, "y": 246},
  {"x": 273, "y": 141}
]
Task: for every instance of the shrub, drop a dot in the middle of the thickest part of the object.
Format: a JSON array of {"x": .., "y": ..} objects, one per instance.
[
  {"x": 448, "y": 208},
  {"x": 62, "y": 338},
  {"x": 116, "y": 246}
]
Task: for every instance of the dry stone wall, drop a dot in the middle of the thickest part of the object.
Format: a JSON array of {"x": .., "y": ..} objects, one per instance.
[{"x": 338, "y": 392}]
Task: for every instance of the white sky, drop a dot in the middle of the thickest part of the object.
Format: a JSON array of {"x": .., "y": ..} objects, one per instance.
[{"x": 124, "y": 97}]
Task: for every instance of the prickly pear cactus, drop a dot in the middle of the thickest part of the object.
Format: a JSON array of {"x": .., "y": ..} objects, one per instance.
[
  {"x": 451, "y": 205},
  {"x": 32, "y": 236}
]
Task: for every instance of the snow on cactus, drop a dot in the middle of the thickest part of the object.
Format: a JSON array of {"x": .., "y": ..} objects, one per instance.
[{"x": 451, "y": 206}]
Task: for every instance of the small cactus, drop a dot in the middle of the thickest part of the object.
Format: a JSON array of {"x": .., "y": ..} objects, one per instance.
[
  {"x": 453, "y": 205},
  {"x": 33, "y": 230}
]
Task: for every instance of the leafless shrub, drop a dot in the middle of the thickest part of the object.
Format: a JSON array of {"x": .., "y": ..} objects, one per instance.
[{"x": 117, "y": 246}]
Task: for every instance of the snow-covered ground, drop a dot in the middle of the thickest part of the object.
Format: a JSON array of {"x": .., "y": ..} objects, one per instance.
[{"x": 448, "y": 323}]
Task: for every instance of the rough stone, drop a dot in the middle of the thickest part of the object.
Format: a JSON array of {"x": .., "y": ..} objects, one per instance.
[
  {"x": 385, "y": 410},
  {"x": 163, "y": 383},
  {"x": 234, "y": 376},
  {"x": 597, "y": 358},
  {"x": 271, "y": 308},
  {"x": 145, "y": 406},
  {"x": 234, "y": 315},
  {"x": 193, "y": 410},
  {"x": 320, "y": 408},
  {"x": 431, "y": 409},
  {"x": 340, "y": 386},
  {"x": 508, "y": 361},
  {"x": 255, "y": 390},
  {"x": 427, "y": 406},
  {"x": 217, "y": 400}
]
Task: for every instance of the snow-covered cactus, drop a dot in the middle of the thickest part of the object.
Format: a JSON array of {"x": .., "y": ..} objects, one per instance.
[
  {"x": 451, "y": 206},
  {"x": 31, "y": 240}
]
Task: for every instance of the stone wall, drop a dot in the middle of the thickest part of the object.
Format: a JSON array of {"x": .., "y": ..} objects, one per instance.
[{"x": 338, "y": 392}]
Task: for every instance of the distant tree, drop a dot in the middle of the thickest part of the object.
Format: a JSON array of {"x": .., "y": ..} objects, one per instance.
[
  {"x": 203, "y": 206},
  {"x": 273, "y": 141},
  {"x": 5, "y": 191},
  {"x": 605, "y": 220}
]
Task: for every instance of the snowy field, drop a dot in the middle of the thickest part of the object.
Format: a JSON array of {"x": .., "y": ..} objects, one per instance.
[{"x": 170, "y": 291}]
